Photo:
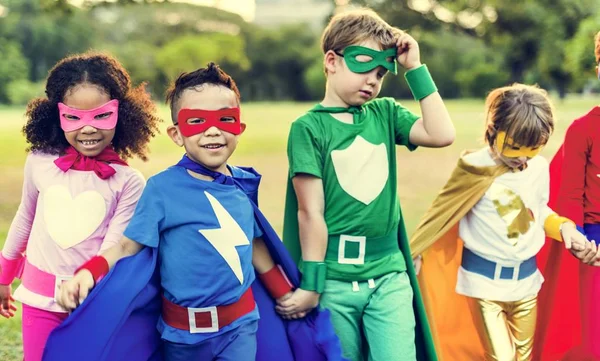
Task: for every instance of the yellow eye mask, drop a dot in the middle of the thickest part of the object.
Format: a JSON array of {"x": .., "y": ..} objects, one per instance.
[{"x": 512, "y": 150}]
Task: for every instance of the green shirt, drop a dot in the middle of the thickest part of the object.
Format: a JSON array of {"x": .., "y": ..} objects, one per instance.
[{"x": 357, "y": 164}]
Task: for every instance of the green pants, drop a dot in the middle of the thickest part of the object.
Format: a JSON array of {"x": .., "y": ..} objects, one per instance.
[{"x": 373, "y": 318}]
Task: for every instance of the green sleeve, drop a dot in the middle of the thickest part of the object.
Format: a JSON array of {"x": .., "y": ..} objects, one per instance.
[
  {"x": 403, "y": 120},
  {"x": 304, "y": 150}
]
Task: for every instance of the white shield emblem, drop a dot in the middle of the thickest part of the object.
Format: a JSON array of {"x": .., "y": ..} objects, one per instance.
[{"x": 362, "y": 169}]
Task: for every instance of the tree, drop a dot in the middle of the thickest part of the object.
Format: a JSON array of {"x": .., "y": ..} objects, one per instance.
[
  {"x": 530, "y": 35},
  {"x": 580, "y": 60},
  {"x": 47, "y": 32},
  {"x": 280, "y": 57},
  {"x": 13, "y": 66},
  {"x": 190, "y": 52}
]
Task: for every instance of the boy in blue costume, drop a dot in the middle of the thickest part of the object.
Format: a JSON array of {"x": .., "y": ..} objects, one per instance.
[{"x": 200, "y": 217}]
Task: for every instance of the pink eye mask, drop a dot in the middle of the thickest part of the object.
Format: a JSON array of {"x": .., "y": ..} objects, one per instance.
[{"x": 103, "y": 117}]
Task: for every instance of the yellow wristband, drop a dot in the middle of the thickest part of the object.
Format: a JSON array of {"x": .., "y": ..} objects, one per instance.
[{"x": 553, "y": 226}]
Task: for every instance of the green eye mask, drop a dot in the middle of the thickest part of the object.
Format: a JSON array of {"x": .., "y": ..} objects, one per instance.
[{"x": 378, "y": 58}]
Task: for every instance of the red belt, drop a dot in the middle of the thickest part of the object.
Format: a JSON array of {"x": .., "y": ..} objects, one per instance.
[{"x": 206, "y": 319}]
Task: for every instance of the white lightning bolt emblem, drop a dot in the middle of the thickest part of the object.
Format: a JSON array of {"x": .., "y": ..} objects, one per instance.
[{"x": 225, "y": 238}]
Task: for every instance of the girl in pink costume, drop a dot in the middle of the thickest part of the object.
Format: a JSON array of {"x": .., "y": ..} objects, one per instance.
[{"x": 78, "y": 192}]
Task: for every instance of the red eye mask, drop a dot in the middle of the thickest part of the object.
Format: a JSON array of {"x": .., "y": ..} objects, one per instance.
[{"x": 196, "y": 121}]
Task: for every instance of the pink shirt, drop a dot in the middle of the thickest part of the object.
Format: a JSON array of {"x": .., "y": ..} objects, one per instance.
[{"x": 65, "y": 218}]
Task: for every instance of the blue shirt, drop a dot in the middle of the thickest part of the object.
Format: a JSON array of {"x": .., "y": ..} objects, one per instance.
[{"x": 204, "y": 232}]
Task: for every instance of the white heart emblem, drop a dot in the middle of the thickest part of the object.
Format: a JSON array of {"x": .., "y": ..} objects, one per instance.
[{"x": 69, "y": 220}]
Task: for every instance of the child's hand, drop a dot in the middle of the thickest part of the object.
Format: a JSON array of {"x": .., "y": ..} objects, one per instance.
[
  {"x": 589, "y": 255},
  {"x": 285, "y": 297},
  {"x": 73, "y": 292},
  {"x": 298, "y": 305},
  {"x": 408, "y": 52},
  {"x": 7, "y": 307},
  {"x": 573, "y": 238},
  {"x": 417, "y": 262},
  {"x": 596, "y": 260}
]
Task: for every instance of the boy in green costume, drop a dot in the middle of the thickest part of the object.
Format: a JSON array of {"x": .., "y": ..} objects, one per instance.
[{"x": 343, "y": 221}]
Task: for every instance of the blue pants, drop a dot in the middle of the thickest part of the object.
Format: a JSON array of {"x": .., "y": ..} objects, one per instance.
[{"x": 238, "y": 344}]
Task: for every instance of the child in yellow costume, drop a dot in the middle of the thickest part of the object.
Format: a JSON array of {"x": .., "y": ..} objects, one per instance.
[{"x": 480, "y": 238}]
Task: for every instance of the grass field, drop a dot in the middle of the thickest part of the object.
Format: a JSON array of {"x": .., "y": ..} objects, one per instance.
[{"x": 263, "y": 146}]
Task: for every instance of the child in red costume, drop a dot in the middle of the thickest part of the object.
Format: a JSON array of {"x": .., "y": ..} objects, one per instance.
[{"x": 569, "y": 320}]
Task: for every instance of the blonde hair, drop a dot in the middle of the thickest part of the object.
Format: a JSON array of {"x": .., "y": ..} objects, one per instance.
[
  {"x": 597, "y": 48},
  {"x": 524, "y": 112},
  {"x": 356, "y": 26}
]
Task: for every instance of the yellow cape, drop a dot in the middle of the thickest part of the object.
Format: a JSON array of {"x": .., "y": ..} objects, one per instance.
[{"x": 436, "y": 239}]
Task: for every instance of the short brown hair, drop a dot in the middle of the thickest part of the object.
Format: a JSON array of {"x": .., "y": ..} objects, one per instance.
[
  {"x": 356, "y": 26},
  {"x": 597, "y": 48},
  {"x": 212, "y": 74},
  {"x": 524, "y": 112}
]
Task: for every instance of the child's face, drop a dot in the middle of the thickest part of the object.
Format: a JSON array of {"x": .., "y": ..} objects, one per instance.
[
  {"x": 354, "y": 88},
  {"x": 513, "y": 155},
  {"x": 88, "y": 141},
  {"x": 213, "y": 147}
]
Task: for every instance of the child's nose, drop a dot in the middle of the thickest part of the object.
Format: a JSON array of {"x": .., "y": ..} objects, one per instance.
[
  {"x": 372, "y": 77},
  {"x": 88, "y": 129},
  {"x": 212, "y": 131}
]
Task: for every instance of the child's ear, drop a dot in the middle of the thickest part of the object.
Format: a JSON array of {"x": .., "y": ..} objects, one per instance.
[
  {"x": 329, "y": 61},
  {"x": 175, "y": 135},
  {"x": 243, "y": 127}
]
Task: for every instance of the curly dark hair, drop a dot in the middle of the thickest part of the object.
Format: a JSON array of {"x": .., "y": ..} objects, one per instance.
[
  {"x": 212, "y": 74},
  {"x": 137, "y": 120}
]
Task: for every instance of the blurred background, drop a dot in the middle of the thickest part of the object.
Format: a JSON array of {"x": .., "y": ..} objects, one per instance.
[{"x": 271, "y": 48}]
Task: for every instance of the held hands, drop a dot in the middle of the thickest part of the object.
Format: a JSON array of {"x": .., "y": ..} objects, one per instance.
[
  {"x": 590, "y": 255},
  {"x": 579, "y": 246},
  {"x": 408, "y": 52},
  {"x": 7, "y": 307},
  {"x": 73, "y": 292},
  {"x": 573, "y": 239},
  {"x": 297, "y": 304}
]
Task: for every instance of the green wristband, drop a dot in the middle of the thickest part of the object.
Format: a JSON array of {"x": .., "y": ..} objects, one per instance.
[
  {"x": 313, "y": 276},
  {"x": 420, "y": 82}
]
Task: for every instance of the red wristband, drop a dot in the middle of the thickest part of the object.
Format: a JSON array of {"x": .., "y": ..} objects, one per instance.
[
  {"x": 98, "y": 267},
  {"x": 276, "y": 282}
]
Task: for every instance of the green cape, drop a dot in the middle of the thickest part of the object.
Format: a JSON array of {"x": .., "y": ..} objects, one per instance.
[{"x": 423, "y": 339}]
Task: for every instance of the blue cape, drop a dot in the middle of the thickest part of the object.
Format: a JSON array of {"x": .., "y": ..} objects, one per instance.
[{"x": 118, "y": 319}]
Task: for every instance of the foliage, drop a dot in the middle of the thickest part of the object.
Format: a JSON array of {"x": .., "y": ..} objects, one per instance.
[
  {"x": 470, "y": 46},
  {"x": 531, "y": 36},
  {"x": 20, "y": 92},
  {"x": 13, "y": 66}
]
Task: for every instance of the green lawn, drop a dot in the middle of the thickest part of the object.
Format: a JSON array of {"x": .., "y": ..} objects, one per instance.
[{"x": 263, "y": 146}]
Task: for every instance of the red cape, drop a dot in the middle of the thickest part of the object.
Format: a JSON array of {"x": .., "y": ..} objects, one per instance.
[{"x": 558, "y": 332}]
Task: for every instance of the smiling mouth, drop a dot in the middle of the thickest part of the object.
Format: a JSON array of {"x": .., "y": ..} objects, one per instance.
[
  {"x": 213, "y": 146},
  {"x": 89, "y": 143}
]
